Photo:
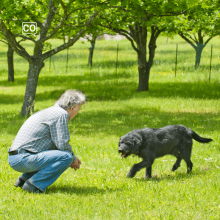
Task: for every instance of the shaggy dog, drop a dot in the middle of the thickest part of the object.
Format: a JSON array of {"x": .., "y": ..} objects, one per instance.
[{"x": 150, "y": 144}]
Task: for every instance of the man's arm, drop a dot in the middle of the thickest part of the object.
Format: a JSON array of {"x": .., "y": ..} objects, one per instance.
[
  {"x": 60, "y": 135},
  {"x": 75, "y": 164}
]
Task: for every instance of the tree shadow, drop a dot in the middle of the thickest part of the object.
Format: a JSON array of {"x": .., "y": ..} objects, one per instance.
[
  {"x": 101, "y": 88},
  {"x": 179, "y": 177},
  {"x": 119, "y": 121},
  {"x": 78, "y": 190}
]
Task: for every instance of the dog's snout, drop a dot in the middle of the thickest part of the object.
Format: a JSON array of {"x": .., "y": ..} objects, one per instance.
[{"x": 119, "y": 150}]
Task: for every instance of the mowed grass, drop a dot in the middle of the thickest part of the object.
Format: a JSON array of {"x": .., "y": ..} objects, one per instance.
[{"x": 100, "y": 189}]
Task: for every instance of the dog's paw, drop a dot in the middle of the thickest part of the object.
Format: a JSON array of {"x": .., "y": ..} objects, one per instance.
[
  {"x": 130, "y": 174},
  {"x": 147, "y": 177}
]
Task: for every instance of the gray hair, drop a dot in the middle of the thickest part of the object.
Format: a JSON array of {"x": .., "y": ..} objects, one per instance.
[{"x": 71, "y": 98}]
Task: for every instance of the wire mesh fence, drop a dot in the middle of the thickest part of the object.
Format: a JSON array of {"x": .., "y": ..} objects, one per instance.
[{"x": 174, "y": 58}]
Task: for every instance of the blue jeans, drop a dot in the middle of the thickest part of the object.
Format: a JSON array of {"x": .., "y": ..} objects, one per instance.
[{"x": 41, "y": 169}]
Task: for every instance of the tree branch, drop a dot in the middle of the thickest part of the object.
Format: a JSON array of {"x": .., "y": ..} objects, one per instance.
[
  {"x": 123, "y": 33},
  {"x": 5, "y": 42},
  {"x": 45, "y": 27},
  {"x": 187, "y": 40},
  {"x": 130, "y": 39},
  {"x": 72, "y": 40},
  {"x": 207, "y": 41},
  {"x": 41, "y": 3},
  {"x": 195, "y": 38},
  {"x": 48, "y": 23},
  {"x": 24, "y": 37},
  {"x": 8, "y": 35}
]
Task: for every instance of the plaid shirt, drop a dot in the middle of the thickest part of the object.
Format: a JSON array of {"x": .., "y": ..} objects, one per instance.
[{"x": 45, "y": 130}]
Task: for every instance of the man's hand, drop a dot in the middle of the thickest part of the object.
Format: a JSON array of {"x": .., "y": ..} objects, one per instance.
[{"x": 75, "y": 164}]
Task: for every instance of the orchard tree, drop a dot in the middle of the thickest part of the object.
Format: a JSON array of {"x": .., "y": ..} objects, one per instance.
[
  {"x": 136, "y": 20},
  {"x": 199, "y": 26},
  {"x": 10, "y": 59},
  {"x": 93, "y": 32},
  {"x": 51, "y": 17}
]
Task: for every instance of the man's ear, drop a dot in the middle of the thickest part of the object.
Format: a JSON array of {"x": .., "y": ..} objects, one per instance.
[{"x": 73, "y": 107}]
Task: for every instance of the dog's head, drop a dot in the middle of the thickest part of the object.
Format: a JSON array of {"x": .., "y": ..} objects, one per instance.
[{"x": 129, "y": 144}]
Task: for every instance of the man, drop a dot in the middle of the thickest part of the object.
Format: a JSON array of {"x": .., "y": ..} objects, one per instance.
[{"x": 41, "y": 149}]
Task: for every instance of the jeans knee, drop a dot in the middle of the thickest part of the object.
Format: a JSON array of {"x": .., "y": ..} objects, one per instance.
[{"x": 68, "y": 157}]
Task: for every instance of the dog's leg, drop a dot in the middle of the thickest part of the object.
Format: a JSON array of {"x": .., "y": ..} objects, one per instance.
[
  {"x": 189, "y": 166},
  {"x": 137, "y": 167},
  {"x": 148, "y": 172},
  {"x": 185, "y": 155},
  {"x": 177, "y": 164}
]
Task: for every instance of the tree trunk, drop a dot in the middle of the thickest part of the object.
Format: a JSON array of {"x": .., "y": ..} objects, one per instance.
[
  {"x": 198, "y": 50},
  {"x": 144, "y": 66},
  {"x": 10, "y": 55},
  {"x": 143, "y": 70},
  {"x": 140, "y": 36},
  {"x": 31, "y": 87},
  {"x": 91, "y": 50}
]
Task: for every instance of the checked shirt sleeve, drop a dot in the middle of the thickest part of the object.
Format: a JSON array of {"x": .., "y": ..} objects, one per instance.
[{"x": 60, "y": 135}]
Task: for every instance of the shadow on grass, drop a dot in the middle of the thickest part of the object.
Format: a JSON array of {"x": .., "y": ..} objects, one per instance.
[
  {"x": 121, "y": 122},
  {"x": 124, "y": 119},
  {"x": 85, "y": 190},
  {"x": 111, "y": 87},
  {"x": 179, "y": 177},
  {"x": 118, "y": 122}
]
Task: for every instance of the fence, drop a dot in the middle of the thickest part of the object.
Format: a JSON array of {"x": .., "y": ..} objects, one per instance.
[{"x": 113, "y": 57}]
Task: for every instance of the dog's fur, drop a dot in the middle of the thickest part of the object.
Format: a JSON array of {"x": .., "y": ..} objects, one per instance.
[{"x": 150, "y": 144}]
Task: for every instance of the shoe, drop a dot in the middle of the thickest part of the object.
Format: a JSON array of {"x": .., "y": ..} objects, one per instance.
[
  {"x": 30, "y": 188},
  {"x": 19, "y": 182}
]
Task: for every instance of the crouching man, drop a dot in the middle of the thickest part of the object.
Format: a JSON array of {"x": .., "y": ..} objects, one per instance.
[{"x": 41, "y": 149}]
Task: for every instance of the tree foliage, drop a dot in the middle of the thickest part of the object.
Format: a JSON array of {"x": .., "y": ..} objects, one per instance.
[
  {"x": 53, "y": 18},
  {"x": 198, "y": 26},
  {"x": 137, "y": 20}
]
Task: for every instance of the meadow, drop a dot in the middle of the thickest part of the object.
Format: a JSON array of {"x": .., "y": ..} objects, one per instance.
[{"x": 100, "y": 189}]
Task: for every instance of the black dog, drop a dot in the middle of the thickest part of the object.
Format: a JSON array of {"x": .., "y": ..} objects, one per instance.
[{"x": 150, "y": 144}]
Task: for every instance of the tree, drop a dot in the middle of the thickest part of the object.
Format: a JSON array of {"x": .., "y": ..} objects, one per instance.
[
  {"x": 135, "y": 20},
  {"x": 93, "y": 32},
  {"x": 199, "y": 26},
  {"x": 51, "y": 17},
  {"x": 10, "y": 59},
  {"x": 92, "y": 39}
]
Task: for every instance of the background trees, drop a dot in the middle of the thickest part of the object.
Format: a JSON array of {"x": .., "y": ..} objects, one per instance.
[
  {"x": 10, "y": 55},
  {"x": 51, "y": 17},
  {"x": 141, "y": 22},
  {"x": 136, "y": 20},
  {"x": 199, "y": 26}
]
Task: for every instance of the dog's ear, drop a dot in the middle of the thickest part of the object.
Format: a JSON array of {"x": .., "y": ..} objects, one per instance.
[{"x": 137, "y": 140}]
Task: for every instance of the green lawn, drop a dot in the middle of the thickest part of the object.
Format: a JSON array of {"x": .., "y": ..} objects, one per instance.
[{"x": 100, "y": 189}]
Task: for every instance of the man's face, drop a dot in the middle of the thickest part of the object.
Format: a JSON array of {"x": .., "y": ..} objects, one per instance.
[{"x": 73, "y": 111}]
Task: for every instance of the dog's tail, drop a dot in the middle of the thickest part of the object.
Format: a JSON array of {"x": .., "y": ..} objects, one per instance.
[{"x": 198, "y": 138}]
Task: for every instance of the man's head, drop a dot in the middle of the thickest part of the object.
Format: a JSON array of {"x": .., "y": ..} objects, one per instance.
[{"x": 71, "y": 101}]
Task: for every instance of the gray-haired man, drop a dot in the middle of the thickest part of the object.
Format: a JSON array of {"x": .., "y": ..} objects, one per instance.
[{"x": 41, "y": 149}]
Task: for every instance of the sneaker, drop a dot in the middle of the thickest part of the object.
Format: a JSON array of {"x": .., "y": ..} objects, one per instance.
[
  {"x": 19, "y": 182},
  {"x": 31, "y": 188}
]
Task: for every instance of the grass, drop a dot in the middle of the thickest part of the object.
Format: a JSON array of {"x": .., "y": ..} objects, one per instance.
[{"x": 100, "y": 189}]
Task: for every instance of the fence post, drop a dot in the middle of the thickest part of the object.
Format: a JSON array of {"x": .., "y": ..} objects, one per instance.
[
  {"x": 176, "y": 59},
  {"x": 50, "y": 64},
  {"x": 67, "y": 57},
  {"x": 117, "y": 62},
  {"x": 53, "y": 62},
  {"x": 210, "y": 65}
]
